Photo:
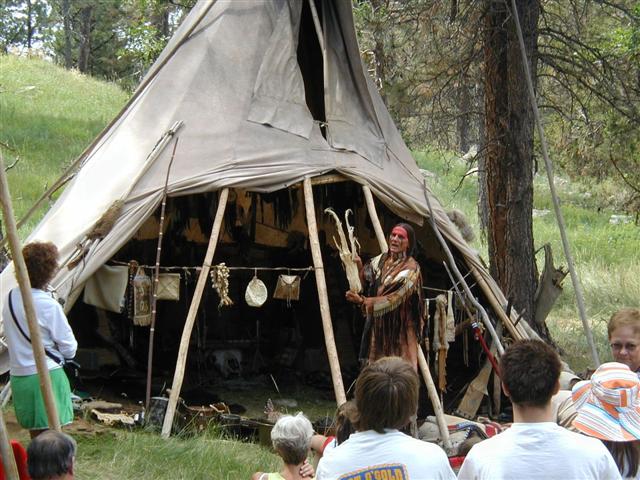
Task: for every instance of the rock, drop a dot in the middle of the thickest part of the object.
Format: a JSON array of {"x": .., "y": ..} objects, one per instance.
[
  {"x": 620, "y": 219},
  {"x": 540, "y": 213}
]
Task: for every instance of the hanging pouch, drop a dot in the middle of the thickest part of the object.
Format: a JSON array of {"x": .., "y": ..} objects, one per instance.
[
  {"x": 168, "y": 286},
  {"x": 256, "y": 292},
  {"x": 141, "y": 298},
  {"x": 287, "y": 288}
]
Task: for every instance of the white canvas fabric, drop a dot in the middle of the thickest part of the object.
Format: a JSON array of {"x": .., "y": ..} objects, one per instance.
[{"x": 240, "y": 95}]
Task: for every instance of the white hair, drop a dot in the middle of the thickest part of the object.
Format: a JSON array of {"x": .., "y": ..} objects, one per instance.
[{"x": 291, "y": 437}]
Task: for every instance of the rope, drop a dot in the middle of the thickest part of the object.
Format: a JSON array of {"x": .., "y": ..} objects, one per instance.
[{"x": 174, "y": 267}]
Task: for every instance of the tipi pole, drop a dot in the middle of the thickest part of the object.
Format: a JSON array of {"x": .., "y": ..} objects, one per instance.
[
  {"x": 422, "y": 361},
  {"x": 375, "y": 221},
  {"x": 8, "y": 459},
  {"x": 577, "y": 287},
  {"x": 435, "y": 400},
  {"x": 332, "y": 353},
  {"x": 27, "y": 300},
  {"x": 156, "y": 276},
  {"x": 456, "y": 271},
  {"x": 178, "y": 376}
]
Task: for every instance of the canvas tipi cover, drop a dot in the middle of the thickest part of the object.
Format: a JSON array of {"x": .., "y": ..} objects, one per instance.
[{"x": 231, "y": 75}]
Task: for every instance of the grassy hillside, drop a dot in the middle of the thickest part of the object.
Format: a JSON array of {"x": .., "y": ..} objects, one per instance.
[{"x": 48, "y": 116}]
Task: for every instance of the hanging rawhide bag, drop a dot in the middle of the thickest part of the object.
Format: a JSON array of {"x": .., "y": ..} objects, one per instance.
[
  {"x": 287, "y": 288},
  {"x": 141, "y": 298},
  {"x": 168, "y": 287},
  {"x": 256, "y": 292}
]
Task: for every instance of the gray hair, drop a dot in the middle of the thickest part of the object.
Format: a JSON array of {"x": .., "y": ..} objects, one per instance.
[
  {"x": 51, "y": 454},
  {"x": 291, "y": 438}
]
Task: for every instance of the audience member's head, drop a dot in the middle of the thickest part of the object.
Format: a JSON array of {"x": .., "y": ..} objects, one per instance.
[
  {"x": 346, "y": 421},
  {"x": 386, "y": 394},
  {"x": 41, "y": 259},
  {"x": 530, "y": 372},
  {"x": 51, "y": 455},
  {"x": 291, "y": 437},
  {"x": 624, "y": 337},
  {"x": 608, "y": 407}
]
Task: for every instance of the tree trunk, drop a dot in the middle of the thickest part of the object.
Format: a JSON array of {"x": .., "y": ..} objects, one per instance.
[
  {"x": 66, "y": 19},
  {"x": 84, "y": 53},
  {"x": 483, "y": 208},
  {"x": 508, "y": 158},
  {"x": 29, "y": 25},
  {"x": 463, "y": 120}
]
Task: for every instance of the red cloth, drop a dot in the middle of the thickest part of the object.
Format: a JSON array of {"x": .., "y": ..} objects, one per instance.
[{"x": 20, "y": 455}]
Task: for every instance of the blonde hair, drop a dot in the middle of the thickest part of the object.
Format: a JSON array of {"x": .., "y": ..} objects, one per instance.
[{"x": 625, "y": 317}]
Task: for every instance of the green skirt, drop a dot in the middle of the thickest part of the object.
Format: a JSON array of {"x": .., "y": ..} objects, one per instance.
[{"x": 28, "y": 402}]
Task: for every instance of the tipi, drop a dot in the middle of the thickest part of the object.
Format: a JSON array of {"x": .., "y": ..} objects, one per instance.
[{"x": 266, "y": 99}]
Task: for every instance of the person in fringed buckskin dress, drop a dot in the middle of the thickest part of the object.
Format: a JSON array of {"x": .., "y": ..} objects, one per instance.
[{"x": 392, "y": 301}]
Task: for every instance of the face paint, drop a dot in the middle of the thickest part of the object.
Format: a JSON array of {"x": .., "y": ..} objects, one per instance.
[
  {"x": 400, "y": 232},
  {"x": 398, "y": 240}
]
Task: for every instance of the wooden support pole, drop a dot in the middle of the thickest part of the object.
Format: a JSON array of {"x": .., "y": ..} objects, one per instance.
[
  {"x": 435, "y": 400},
  {"x": 156, "y": 278},
  {"x": 332, "y": 353},
  {"x": 375, "y": 221},
  {"x": 8, "y": 459},
  {"x": 27, "y": 300},
  {"x": 178, "y": 376}
]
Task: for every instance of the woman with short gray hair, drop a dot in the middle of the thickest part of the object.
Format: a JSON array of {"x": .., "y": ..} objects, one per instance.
[{"x": 291, "y": 439}]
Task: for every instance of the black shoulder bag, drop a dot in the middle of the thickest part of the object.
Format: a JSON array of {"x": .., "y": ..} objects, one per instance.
[{"x": 71, "y": 367}]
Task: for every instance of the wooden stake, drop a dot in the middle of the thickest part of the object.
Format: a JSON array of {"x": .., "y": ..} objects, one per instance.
[
  {"x": 8, "y": 459},
  {"x": 373, "y": 215},
  {"x": 156, "y": 277},
  {"x": 27, "y": 300},
  {"x": 334, "y": 362},
  {"x": 191, "y": 316},
  {"x": 435, "y": 400}
]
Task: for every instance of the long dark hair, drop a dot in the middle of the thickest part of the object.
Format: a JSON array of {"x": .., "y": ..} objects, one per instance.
[{"x": 626, "y": 455}]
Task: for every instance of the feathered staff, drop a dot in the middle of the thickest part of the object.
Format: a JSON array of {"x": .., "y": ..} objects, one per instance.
[{"x": 348, "y": 250}]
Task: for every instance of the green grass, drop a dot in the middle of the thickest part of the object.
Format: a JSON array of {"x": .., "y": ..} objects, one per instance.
[
  {"x": 48, "y": 116},
  {"x": 138, "y": 456},
  {"x": 606, "y": 256}
]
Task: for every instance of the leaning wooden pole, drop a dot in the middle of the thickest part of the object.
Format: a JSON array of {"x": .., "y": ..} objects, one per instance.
[
  {"x": 332, "y": 353},
  {"x": 422, "y": 361},
  {"x": 375, "y": 221},
  {"x": 27, "y": 300},
  {"x": 178, "y": 376},
  {"x": 156, "y": 277},
  {"x": 435, "y": 400},
  {"x": 577, "y": 286},
  {"x": 8, "y": 459}
]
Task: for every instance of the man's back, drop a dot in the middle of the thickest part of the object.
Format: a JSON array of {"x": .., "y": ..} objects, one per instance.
[
  {"x": 392, "y": 455},
  {"x": 536, "y": 451}
]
